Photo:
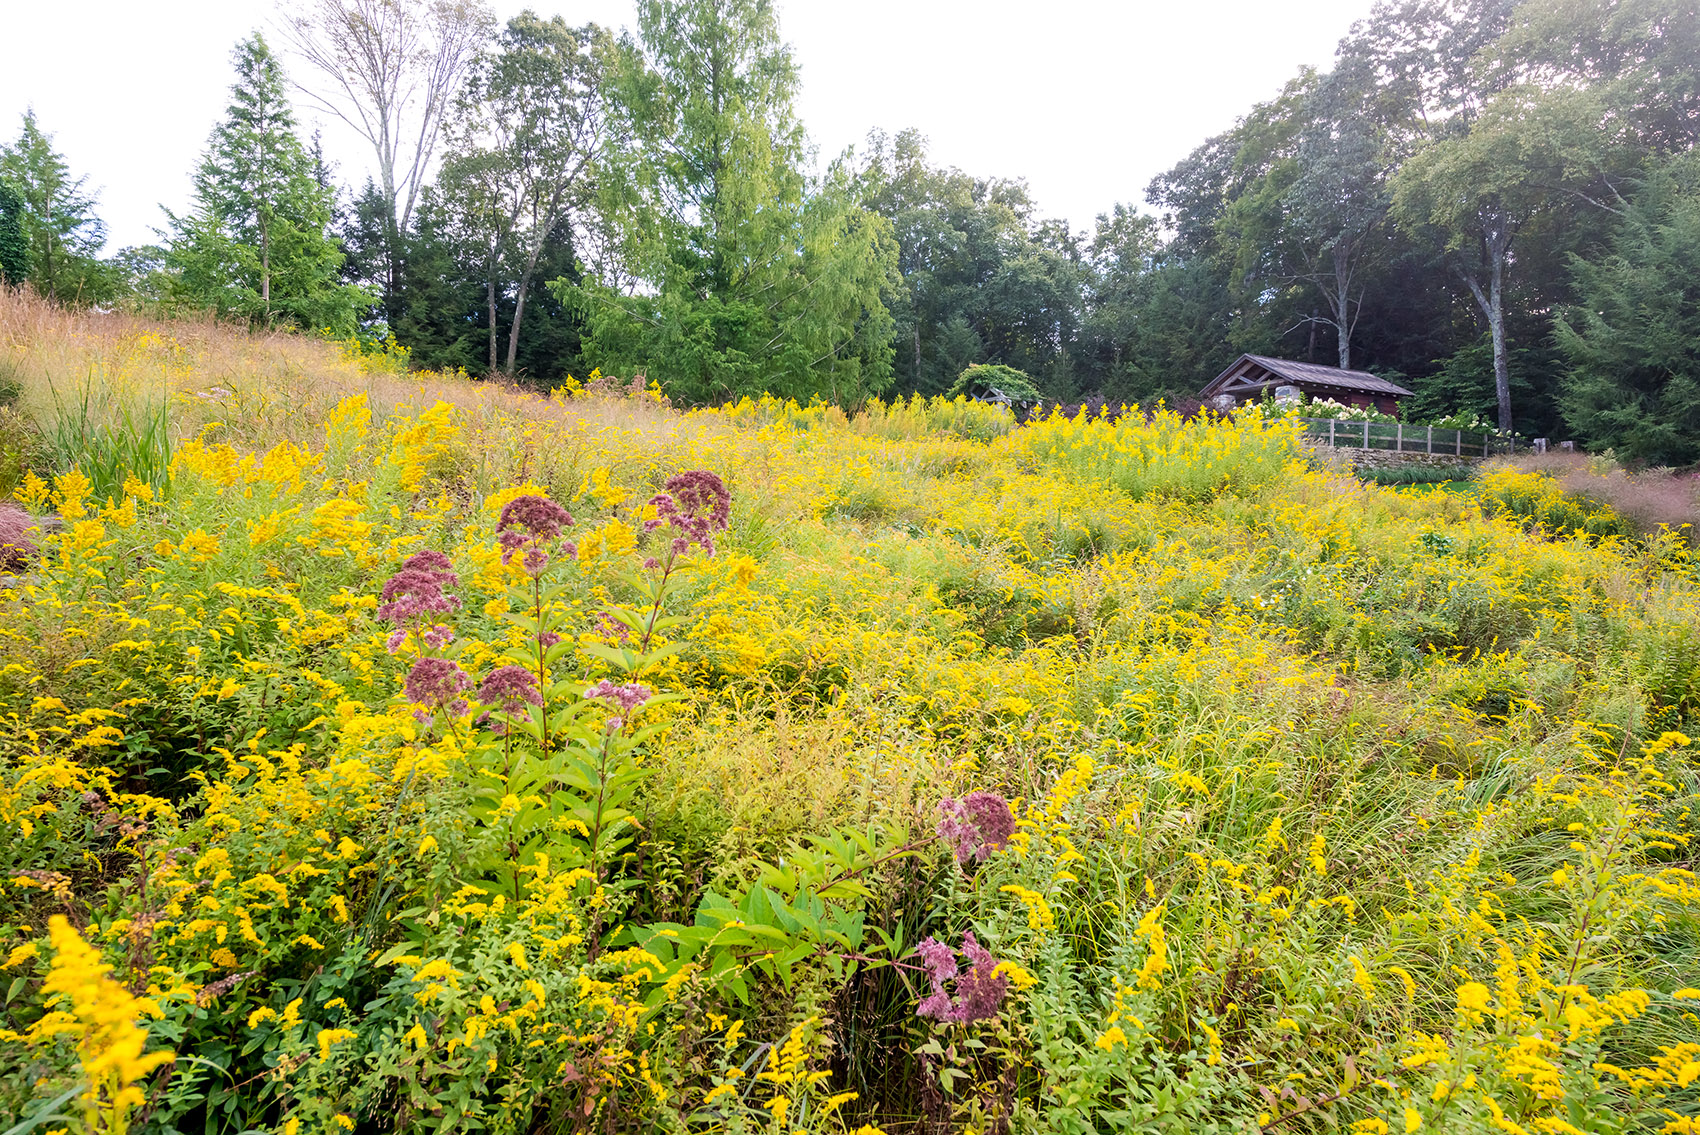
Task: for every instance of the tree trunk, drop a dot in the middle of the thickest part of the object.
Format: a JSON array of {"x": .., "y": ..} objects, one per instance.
[
  {"x": 513, "y": 328},
  {"x": 1343, "y": 305},
  {"x": 519, "y": 301},
  {"x": 916, "y": 377},
  {"x": 1501, "y": 366},
  {"x": 47, "y": 247},
  {"x": 1496, "y": 246},
  {"x": 392, "y": 272},
  {"x": 266, "y": 270},
  {"x": 490, "y": 302}
]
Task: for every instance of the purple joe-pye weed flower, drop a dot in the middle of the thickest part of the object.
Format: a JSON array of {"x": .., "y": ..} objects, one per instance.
[
  {"x": 697, "y": 504},
  {"x": 416, "y": 593},
  {"x": 704, "y": 495},
  {"x": 435, "y": 684},
  {"x": 506, "y": 690},
  {"x": 509, "y": 687},
  {"x": 939, "y": 962},
  {"x": 16, "y": 547},
  {"x": 976, "y": 825},
  {"x": 626, "y": 698},
  {"x": 532, "y": 522},
  {"x": 612, "y": 629},
  {"x": 980, "y": 989},
  {"x": 431, "y": 560}
]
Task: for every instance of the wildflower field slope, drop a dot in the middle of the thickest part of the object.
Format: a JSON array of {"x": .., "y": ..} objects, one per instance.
[{"x": 441, "y": 758}]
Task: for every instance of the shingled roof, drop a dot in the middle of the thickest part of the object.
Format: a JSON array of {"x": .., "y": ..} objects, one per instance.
[{"x": 1252, "y": 372}]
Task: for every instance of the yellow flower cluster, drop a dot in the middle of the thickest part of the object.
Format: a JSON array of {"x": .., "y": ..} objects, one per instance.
[{"x": 100, "y": 1015}]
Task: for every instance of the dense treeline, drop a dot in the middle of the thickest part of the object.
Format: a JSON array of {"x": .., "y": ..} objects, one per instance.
[{"x": 1495, "y": 203}]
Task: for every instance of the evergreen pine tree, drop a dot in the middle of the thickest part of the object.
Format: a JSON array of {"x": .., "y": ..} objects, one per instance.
[
  {"x": 1633, "y": 337},
  {"x": 55, "y": 215},
  {"x": 256, "y": 245},
  {"x": 14, "y": 245}
]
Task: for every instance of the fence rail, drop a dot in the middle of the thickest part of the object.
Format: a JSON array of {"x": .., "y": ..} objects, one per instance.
[{"x": 1397, "y": 437}]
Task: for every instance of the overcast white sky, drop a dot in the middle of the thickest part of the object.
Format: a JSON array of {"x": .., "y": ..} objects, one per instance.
[{"x": 1086, "y": 100}]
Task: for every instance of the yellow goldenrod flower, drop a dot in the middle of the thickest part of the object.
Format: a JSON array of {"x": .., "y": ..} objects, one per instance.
[
  {"x": 1473, "y": 999},
  {"x": 329, "y": 1037},
  {"x": 86, "y": 1003}
]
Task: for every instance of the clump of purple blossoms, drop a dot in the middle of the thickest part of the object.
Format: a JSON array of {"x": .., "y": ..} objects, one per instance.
[
  {"x": 507, "y": 688},
  {"x": 608, "y": 627},
  {"x": 15, "y": 545},
  {"x": 697, "y": 504},
  {"x": 627, "y": 698},
  {"x": 435, "y": 684},
  {"x": 976, "y": 825},
  {"x": 414, "y": 596},
  {"x": 979, "y": 991},
  {"x": 532, "y": 523}
]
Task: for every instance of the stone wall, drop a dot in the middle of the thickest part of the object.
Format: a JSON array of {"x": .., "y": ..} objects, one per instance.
[{"x": 1349, "y": 458}]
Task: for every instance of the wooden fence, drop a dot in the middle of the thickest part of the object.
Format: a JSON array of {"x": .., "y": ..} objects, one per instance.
[{"x": 1397, "y": 437}]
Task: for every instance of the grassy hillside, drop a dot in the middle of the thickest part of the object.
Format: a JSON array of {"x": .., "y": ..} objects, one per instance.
[{"x": 1071, "y": 777}]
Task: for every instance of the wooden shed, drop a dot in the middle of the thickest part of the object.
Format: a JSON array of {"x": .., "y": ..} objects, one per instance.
[{"x": 1250, "y": 375}]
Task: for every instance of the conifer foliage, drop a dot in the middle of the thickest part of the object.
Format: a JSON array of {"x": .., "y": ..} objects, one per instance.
[
  {"x": 255, "y": 245},
  {"x": 50, "y": 212},
  {"x": 14, "y": 246},
  {"x": 1633, "y": 337}
]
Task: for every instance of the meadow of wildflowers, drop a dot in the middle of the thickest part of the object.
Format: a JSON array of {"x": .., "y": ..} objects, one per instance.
[{"x": 440, "y": 758}]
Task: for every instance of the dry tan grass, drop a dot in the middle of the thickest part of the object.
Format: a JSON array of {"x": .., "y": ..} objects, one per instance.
[{"x": 254, "y": 390}]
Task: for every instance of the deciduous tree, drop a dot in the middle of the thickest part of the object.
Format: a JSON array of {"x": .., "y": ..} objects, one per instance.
[
  {"x": 391, "y": 69},
  {"x": 751, "y": 276},
  {"x": 528, "y": 128}
]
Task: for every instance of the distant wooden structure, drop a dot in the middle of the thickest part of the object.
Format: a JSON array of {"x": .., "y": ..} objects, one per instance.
[{"x": 1249, "y": 376}]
